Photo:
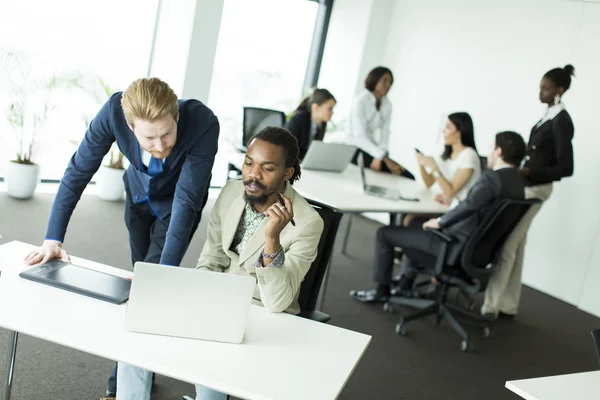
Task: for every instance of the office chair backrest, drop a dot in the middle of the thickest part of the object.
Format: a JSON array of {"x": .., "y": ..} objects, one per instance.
[
  {"x": 483, "y": 161},
  {"x": 489, "y": 236},
  {"x": 596, "y": 336},
  {"x": 255, "y": 119},
  {"x": 309, "y": 290}
]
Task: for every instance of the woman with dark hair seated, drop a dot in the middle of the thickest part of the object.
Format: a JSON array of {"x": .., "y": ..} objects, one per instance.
[
  {"x": 369, "y": 125},
  {"x": 454, "y": 172},
  {"x": 310, "y": 119}
]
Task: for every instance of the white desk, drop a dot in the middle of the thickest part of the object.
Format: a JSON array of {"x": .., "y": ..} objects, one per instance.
[
  {"x": 282, "y": 356},
  {"x": 580, "y": 386}
]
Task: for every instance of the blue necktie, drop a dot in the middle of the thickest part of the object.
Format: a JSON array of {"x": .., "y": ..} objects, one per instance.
[{"x": 155, "y": 167}]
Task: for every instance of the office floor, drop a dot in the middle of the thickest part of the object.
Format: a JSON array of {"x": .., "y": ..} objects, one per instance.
[{"x": 548, "y": 337}]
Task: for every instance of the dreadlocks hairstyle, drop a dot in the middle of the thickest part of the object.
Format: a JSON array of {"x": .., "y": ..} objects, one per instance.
[{"x": 282, "y": 137}]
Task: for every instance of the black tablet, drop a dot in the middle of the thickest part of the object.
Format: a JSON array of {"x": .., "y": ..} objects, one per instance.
[{"x": 74, "y": 278}]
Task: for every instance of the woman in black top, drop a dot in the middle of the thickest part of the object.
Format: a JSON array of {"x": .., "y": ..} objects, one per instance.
[
  {"x": 309, "y": 121},
  {"x": 549, "y": 155},
  {"x": 548, "y": 159}
]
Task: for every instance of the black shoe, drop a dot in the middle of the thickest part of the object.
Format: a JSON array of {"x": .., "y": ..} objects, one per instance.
[
  {"x": 489, "y": 317},
  {"x": 368, "y": 296},
  {"x": 502, "y": 315}
]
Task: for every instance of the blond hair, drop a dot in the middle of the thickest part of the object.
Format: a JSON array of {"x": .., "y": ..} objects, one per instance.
[{"x": 149, "y": 99}]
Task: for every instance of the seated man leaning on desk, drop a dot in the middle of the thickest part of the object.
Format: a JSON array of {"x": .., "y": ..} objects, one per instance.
[
  {"x": 249, "y": 233},
  {"x": 501, "y": 181}
]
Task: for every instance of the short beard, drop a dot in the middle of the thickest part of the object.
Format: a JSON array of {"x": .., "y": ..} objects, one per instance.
[{"x": 257, "y": 200}]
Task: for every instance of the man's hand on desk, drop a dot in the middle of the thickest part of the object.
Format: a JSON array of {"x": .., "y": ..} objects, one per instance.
[
  {"x": 432, "y": 223},
  {"x": 49, "y": 250}
]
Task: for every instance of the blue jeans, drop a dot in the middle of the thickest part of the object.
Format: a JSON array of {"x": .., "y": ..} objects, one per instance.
[{"x": 135, "y": 383}]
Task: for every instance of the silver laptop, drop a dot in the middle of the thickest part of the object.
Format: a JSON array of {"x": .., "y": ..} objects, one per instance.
[
  {"x": 380, "y": 191},
  {"x": 333, "y": 157},
  {"x": 189, "y": 303}
]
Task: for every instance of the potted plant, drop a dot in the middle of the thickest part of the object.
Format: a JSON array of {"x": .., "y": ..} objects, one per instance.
[
  {"x": 109, "y": 180},
  {"x": 28, "y": 108},
  {"x": 22, "y": 175}
]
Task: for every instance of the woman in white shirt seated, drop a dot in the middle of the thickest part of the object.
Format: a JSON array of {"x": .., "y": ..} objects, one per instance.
[
  {"x": 454, "y": 172},
  {"x": 369, "y": 127}
]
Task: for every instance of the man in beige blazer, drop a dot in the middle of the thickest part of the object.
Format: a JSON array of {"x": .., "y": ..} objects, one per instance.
[{"x": 260, "y": 227}]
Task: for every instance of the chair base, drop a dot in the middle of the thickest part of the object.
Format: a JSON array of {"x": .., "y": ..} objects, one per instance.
[{"x": 442, "y": 311}]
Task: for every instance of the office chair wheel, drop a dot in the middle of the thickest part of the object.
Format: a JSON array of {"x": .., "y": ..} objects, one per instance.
[
  {"x": 466, "y": 346},
  {"x": 387, "y": 307},
  {"x": 487, "y": 332},
  {"x": 400, "y": 328}
]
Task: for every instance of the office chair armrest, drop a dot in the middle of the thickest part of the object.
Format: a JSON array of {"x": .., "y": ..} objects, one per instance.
[
  {"x": 440, "y": 235},
  {"x": 315, "y": 316}
]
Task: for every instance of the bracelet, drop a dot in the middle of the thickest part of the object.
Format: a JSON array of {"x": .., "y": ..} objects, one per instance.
[
  {"x": 436, "y": 174},
  {"x": 273, "y": 255}
]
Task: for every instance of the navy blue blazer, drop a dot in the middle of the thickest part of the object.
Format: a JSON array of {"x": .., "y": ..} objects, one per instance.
[{"x": 178, "y": 191}]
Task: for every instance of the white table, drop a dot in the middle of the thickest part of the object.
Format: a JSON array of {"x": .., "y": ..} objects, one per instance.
[
  {"x": 580, "y": 386},
  {"x": 282, "y": 356}
]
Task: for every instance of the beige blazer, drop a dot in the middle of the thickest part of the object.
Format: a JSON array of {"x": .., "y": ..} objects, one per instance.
[{"x": 277, "y": 289}]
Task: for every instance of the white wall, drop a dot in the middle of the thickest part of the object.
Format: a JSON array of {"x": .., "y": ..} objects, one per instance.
[
  {"x": 202, "y": 49},
  {"x": 487, "y": 57},
  {"x": 355, "y": 44},
  {"x": 185, "y": 45}
]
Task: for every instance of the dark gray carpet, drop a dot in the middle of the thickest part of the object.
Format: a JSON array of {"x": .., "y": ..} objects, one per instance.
[{"x": 549, "y": 336}]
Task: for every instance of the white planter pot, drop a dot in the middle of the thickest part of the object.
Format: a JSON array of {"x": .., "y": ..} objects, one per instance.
[
  {"x": 109, "y": 183},
  {"x": 21, "y": 179}
]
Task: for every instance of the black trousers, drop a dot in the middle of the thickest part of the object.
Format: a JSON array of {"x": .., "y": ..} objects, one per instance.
[
  {"x": 147, "y": 236},
  {"x": 411, "y": 237}
]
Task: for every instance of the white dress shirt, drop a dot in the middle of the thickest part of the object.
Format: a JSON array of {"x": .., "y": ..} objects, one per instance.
[
  {"x": 551, "y": 112},
  {"x": 369, "y": 128},
  {"x": 467, "y": 159}
]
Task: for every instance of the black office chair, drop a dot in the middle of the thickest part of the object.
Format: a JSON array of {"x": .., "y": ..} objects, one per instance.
[
  {"x": 254, "y": 119},
  {"x": 470, "y": 273},
  {"x": 311, "y": 286},
  {"x": 483, "y": 161},
  {"x": 596, "y": 336}
]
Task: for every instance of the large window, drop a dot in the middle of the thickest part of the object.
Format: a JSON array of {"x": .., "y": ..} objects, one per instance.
[
  {"x": 88, "y": 47},
  {"x": 262, "y": 57}
]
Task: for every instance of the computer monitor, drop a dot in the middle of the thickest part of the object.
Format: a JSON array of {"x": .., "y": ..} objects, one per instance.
[{"x": 255, "y": 119}]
